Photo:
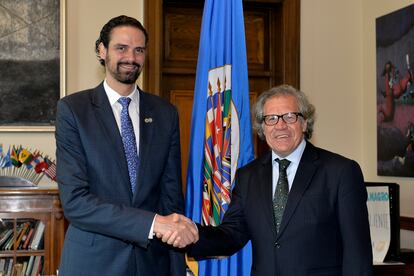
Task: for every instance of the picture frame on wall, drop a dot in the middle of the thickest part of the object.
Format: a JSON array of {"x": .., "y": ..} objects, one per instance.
[
  {"x": 32, "y": 63},
  {"x": 395, "y": 93}
]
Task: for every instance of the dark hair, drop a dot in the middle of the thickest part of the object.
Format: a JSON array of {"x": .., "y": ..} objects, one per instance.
[
  {"x": 389, "y": 69},
  {"x": 105, "y": 35},
  {"x": 306, "y": 108}
]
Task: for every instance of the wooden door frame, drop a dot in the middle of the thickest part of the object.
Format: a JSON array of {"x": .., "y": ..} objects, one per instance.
[{"x": 153, "y": 22}]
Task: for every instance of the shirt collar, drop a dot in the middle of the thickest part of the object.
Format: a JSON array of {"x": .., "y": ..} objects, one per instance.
[
  {"x": 293, "y": 157},
  {"x": 114, "y": 96}
]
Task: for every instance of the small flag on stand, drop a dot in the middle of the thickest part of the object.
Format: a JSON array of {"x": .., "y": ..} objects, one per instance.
[
  {"x": 50, "y": 171},
  {"x": 35, "y": 165},
  {"x": 25, "y": 156},
  {"x": 14, "y": 157}
]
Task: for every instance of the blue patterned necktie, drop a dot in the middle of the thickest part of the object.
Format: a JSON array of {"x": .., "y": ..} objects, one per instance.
[
  {"x": 130, "y": 144},
  {"x": 281, "y": 192}
]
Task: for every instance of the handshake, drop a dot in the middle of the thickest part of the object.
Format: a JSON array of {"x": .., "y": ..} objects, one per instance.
[{"x": 175, "y": 230}]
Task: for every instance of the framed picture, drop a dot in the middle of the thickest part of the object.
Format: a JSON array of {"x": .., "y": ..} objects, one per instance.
[
  {"x": 395, "y": 93},
  {"x": 32, "y": 63}
]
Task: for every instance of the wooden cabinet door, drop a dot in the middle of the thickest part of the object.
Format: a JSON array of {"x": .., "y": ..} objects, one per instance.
[{"x": 18, "y": 206}]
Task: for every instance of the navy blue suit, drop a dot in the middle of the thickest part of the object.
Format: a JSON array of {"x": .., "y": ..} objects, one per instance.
[
  {"x": 109, "y": 225},
  {"x": 324, "y": 230}
]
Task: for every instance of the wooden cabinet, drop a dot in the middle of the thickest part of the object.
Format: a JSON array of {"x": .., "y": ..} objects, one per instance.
[{"x": 28, "y": 208}]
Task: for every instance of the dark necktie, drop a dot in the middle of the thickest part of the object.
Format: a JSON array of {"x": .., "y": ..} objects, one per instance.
[
  {"x": 130, "y": 144},
  {"x": 281, "y": 192}
]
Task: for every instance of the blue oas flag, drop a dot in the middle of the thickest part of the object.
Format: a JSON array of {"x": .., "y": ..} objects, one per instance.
[{"x": 221, "y": 136}]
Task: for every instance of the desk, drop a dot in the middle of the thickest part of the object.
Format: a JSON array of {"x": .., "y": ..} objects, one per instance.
[{"x": 394, "y": 270}]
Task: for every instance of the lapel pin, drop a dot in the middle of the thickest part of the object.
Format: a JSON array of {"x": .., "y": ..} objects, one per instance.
[{"x": 148, "y": 120}]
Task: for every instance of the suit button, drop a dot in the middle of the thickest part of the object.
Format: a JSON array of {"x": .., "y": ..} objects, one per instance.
[{"x": 277, "y": 245}]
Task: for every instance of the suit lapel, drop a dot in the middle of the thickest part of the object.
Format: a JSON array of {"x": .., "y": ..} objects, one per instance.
[
  {"x": 304, "y": 174},
  {"x": 105, "y": 117},
  {"x": 265, "y": 180}
]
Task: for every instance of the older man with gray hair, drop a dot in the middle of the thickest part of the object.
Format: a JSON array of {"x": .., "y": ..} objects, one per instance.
[{"x": 302, "y": 207}]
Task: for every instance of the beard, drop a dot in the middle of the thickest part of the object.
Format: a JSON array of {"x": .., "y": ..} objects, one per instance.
[
  {"x": 123, "y": 75},
  {"x": 129, "y": 76}
]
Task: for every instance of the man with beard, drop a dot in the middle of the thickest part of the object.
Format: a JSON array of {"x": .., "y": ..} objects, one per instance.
[{"x": 118, "y": 158}]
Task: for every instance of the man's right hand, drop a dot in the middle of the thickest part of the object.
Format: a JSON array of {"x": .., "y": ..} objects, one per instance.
[{"x": 176, "y": 230}]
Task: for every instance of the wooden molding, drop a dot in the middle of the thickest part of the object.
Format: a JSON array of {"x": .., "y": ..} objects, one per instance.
[
  {"x": 152, "y": 68},
  {"x": 407, "y": 223},
  {"x": 291, "y": 42}
]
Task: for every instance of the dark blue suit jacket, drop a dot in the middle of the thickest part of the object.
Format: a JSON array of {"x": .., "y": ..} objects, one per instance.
[
  {"x": 324, "y": 231},
  {"x": 109, "y": 226}
]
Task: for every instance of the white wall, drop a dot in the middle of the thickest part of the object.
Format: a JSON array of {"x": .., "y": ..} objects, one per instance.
[
  {"x": 84, "y": 22},
  {"x": 331, "y": 72}
]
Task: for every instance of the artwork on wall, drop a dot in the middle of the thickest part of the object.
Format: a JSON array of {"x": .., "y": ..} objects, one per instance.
[
  {"x": 395, "y": 93},
  {"x": 31, "y": 63}
]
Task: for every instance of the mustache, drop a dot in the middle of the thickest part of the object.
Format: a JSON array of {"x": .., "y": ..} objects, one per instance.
[{"x": 129, "y": 63}]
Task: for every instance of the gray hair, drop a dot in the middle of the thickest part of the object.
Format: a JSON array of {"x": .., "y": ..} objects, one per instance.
[{"x": 306, "y": 108}]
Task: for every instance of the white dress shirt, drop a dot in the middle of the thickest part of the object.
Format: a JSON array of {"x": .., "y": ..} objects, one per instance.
[
  {"x": 294, "y": 159},
  {"x": 133, "y": 108}
]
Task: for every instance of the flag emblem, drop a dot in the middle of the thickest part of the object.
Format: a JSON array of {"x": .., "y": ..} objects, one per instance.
[{"x": 220, "y": 146}]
